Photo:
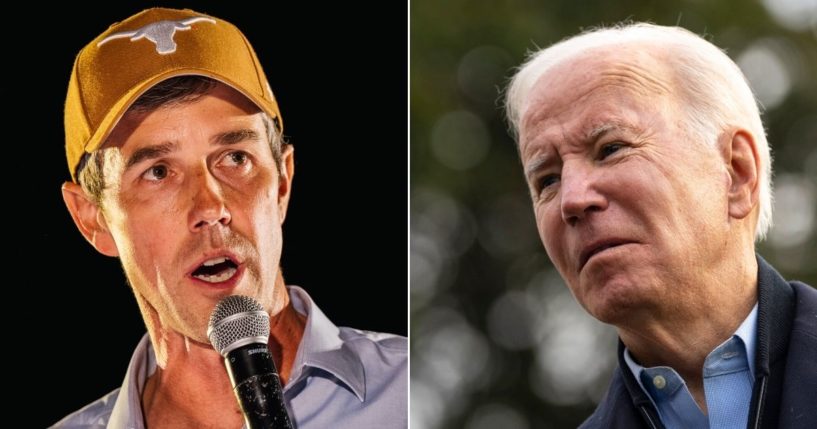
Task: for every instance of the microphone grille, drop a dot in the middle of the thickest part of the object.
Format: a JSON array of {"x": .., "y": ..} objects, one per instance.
[{"x": 237, "y": 320}]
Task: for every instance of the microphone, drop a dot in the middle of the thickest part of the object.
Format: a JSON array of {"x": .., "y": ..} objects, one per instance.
[{"x": 239, "y": 331}]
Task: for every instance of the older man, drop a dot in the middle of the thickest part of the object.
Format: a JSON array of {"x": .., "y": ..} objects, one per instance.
[
  {"x": 174, "y": 144},
  {"x": 650, "y": 174}
]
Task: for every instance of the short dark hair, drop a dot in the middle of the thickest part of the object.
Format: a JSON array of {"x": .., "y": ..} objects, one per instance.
[{"x": 174, "y": 91}]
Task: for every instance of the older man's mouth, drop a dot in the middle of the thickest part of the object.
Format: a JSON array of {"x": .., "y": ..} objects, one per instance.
[{"x": 595, "y": 248}]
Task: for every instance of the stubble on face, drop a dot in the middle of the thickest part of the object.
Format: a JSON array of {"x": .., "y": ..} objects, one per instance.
[{"x": 153, "y": 232}]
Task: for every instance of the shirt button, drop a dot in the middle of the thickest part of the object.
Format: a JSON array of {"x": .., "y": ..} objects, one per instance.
[{"x": 659, "y": 381}]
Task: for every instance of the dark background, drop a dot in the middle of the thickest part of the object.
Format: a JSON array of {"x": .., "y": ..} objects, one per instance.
[{"x": 343, "y": 98}]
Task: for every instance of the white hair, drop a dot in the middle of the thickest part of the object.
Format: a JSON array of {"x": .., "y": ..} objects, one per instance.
[{"x": 716, "y": 91}]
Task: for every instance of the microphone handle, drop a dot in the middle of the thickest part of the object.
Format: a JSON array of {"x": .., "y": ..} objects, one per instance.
[{"x": 257, "y": 387}]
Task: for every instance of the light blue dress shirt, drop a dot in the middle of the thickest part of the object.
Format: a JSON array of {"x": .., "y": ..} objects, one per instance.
[
  {"x": 341, "y": 378},
  {"x": 728, "y": 375}
]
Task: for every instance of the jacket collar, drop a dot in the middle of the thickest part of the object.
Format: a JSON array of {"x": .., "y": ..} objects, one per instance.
[{"x": 774, "y": 319}]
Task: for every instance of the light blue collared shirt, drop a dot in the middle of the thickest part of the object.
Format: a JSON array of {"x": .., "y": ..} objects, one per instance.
[
  {"x": 728, "y": 379},
  {"x": 341, "y": 378}
]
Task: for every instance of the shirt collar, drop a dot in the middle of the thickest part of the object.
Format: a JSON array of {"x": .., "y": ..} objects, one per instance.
[
  {"x": 127, "y": 410},
  {"x": 636, "y": 370},
  {"x": 747, "y": 332},
  {"x": 321, "y": 347}
]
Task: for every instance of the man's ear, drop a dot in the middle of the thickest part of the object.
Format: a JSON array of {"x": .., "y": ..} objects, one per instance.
[
  {"x": 287, "y": 171},
  {"x": 89, "y": 219},
  {"x": 743, "y": 163}
]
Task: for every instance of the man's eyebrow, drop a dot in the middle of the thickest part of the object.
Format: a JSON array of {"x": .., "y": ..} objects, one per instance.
[
  {"x": 234, "y": 137},
  {"x": 600, "y": 131},
  {"x": 151, "y": 152},
  {"x": 159, "y": 150},
  {"x": 591, "y": 137},
  {"x": 534, "y": 166}
]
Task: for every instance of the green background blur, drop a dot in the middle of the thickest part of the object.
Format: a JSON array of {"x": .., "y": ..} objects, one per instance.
[{"x": 496, "y": 339}]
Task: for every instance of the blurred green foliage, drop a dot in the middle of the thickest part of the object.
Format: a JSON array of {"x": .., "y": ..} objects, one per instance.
[{"x": 481, "y": 282}]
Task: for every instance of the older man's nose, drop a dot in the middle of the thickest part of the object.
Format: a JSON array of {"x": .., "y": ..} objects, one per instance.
[
  {"x": 208, "y": 207},
  {"x": 580, "y": 193}
]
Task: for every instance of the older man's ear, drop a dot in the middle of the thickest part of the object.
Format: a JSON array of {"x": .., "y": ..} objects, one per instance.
[
  {"x": 89, "y": 219},
  {"x": 743, "y": 164}
]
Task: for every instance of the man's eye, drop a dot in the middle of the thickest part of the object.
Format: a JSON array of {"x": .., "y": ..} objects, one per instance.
[
  {"x": 609, "y": 149},
  {"x": 236, "y": 158},
  {"x": 155, "y": 173},
  {"x": 547, "y": 181}
]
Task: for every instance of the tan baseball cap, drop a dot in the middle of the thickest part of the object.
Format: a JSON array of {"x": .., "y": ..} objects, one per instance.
[{"x": 131, "y": 56}]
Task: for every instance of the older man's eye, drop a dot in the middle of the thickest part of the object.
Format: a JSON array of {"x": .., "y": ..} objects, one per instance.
[
  {"x": 609, "y": 149},
  {"x": 547, "y": 181}
]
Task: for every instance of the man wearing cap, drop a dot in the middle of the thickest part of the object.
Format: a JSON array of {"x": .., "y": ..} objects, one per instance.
[
  {"x": 174, "y": 144},
  {"x": 650, "y": 175}
]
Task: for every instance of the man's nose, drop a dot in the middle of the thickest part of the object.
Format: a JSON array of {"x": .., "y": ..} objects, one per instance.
[
  {"x": 208, "y": 207},
  {"x": 580, "y": 192}
]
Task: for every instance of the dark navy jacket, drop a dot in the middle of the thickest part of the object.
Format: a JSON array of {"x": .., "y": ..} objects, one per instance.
[{"x": 785, "y": 389}]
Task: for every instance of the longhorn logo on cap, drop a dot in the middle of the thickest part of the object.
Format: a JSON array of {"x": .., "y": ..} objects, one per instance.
[{"x": 160, "y": 33}]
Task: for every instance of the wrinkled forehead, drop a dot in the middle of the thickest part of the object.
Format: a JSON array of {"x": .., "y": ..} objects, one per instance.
[{"x": 638, "y": 69}]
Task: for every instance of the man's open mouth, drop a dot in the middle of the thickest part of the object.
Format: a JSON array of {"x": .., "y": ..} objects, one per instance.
[{"x": 216, "y": 270}]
